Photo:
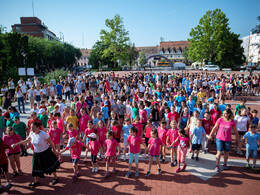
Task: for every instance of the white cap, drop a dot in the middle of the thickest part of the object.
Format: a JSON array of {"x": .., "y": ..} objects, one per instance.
[
  {"x": 71, "y": 141},
  {"x": 103, "y": 96},
  {"x": 93, "y": 135},
  {"x": 42, "y": 110}
]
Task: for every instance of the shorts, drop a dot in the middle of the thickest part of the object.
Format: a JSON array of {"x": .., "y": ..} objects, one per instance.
[
  {"x": 121, "y": 116},
  {"x": 252, "y": 153},
  {"x": 75, "y": 161},
  {"x": 17, "y": 153},
  {"x": 117, "y": 139},
  {"x": 31, "y": 98},
  {"x": 156, "y": 156},
  {"x": 146, "y": 141},
  {"x": 131, "y": 157},
  {"x": 204, "y": 87},
  {"x": 223, "y": 145},
  {"x": 4, "y": 167},
  {"x": 44, "y": 96},
  {"x": 110, "y": 159},
  {"x": 212, "y": 90},
  {"x": 38, "y": 98},
  {"x": 174, "y": 146},
  {"x": 93, "y": 158},
  {"x": 242, "y": 132},
  {"x": 196, "y": 147},
  {"x": 83, "y": 91}
]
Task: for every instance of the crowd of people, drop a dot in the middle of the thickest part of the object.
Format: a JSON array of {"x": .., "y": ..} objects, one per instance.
[{"x": 135, "y": 114}]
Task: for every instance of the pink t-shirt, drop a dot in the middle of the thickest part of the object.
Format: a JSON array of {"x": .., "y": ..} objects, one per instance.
[
  {"x": 79, "y": 106},
  {"x": 225, "y": 129},
  {"x": 72, "y": 133},
  {"x": 83, "y": 122},
  {"x": 111, "y": 147},
  {"x": 162, "y": 134},
  {"x": 183, "y": 141},
  {"x": 134, "y": 143},
  {"x": 9, "y": 140},
  {"x": 55, "y": 135},
  {"x": 155, "y": 146},
  {"x": 143, "y": 116},
  {"x": 89, "y": 131},
  {"x": 173, "y": 134},
  {"x": 173, "y": 116},
  {"x": 102, "y": 133},
  {"x": 60, "y": 124},
  {"x": 139, "y": 127},
  {"x": 75, "y": 150},
  {"x": 95, "y": 145},
  {"x": 148, "y": 131}
]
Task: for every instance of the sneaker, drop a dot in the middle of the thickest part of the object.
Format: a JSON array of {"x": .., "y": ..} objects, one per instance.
[
  {"x": 34, "y": 184},
  {"x": 172, "y": 165},
  {"x": 24, "y": 112},
  {"x": 107, "y": 174},
  {"x": 96, "y": 169},
  {"x": 225, "y": 167},
  {"x": 163, "y": 161},
  {"x": 159, "y": 172},
  {"x": 14, "y": 174},
  {"x": 148, "y": 174},
  {"x": 177, "y": 170},
  {"x": 161, "y": 157},
  {"x": 217, "y": 168},
  {"x": 247, "y": 166},
  {"x": 240, "y": 152},
  {"x": 175, "y": 162},
  {"x": 137, "y": 173},
  {"x": 128, "y": 174},
  {"x": 54, "y": 181},
  {"x": 254, "y": 168},
  {"x": 184, "y": 167},
  {"x": 197, "y": 158},
  {"x": 192, "y": 156},
  {"x": 93, "y": 170},
  {"x": 114, "y": 170},
  {"x": 8, "y": 185}
]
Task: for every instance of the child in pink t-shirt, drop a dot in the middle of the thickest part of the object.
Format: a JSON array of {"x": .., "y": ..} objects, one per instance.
[
  {"x": 148, "y": 129},
  {"x": 183, "y": 142},
  {"x": 83, "y": 121},
  {"x": 51, "y": 118},
  {"x": 101, "y": 131},
  {"x": 90, "y": 129},
  {"x": 133, "y": 141},
  {"x": 55, "y": 135},
  {"x": 111, "y": 145},
  {"x": 75, "y": 150},
  {"x": 94, "y": 146},
  {"x": 71, "y": 132},
  {"x": 172, "y": 135},
  {"x": 162, "y": 131},
  {"x": 138, "y": 125},
  {"x": 13, "y": 153},
  {"x": 154, "y": 146}
]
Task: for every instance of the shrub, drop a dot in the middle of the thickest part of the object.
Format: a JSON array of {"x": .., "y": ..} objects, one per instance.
[{"x": 55, "y": 75}]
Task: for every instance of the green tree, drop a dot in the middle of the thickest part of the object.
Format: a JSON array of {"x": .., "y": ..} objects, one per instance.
[
  {"x": 132, "y": 54},
  {"x": 116, "y": 37},
  {"x": 142, "y": 57},
  {"x": 213, "y": 41},
  {"x": 257, "y": 27}
]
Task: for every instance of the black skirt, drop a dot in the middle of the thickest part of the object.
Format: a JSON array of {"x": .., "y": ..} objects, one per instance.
[{"x": 44, "y": 163}]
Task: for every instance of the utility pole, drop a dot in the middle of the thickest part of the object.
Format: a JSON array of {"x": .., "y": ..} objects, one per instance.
[{"x": 33, "y": 8}]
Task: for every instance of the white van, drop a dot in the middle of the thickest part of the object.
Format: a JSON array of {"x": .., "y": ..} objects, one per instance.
[{"x": 211, "y": 67}]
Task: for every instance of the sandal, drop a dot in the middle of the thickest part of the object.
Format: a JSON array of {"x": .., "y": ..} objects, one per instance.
[
  {"x": 54, "y": 181},
  {"x": 14, "y": 174},
  {"x": 34, "y": 184},
  {"x": 20, "y": 173}
]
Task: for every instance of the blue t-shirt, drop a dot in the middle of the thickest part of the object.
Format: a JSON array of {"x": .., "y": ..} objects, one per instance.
[
  {"x": 126, "y": 130},
  {"x": 255, "y": 121},
  {"x": 148, "y": 110},
  {"x": 222, "y": 107},
  {"x": 95, "y": 121},
  {"x": 251, "y": 140},
  {"x": 59, "y": 89},
  {"x": 169, "y": 103},
  {"x": 12, "y": 115},
  {"x": 179, "y": 99},
  {"x": 189, "y": 91},
  {"x": 197, "y": 135},
  {"x": 191, "y": 104},
  {"x": 104, "y": 111},
  {"x": 159, "y": 95}
]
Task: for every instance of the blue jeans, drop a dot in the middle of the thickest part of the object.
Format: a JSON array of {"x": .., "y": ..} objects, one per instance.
[{"x": 19, "y": 100}]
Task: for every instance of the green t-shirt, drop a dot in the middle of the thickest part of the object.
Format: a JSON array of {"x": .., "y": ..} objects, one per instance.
[
  {"x": 20, "y": 129},
  {"x": 44, "y": 119},
  {"x": 2, "y": 124},
  {"x": 151, "y": 85},
  {"x": 50, "y": 109},
  {"x": 238, "y": 107},
  {"x": 73, "y": 105},
  {"x": 9, "y": 123},
  {"x": 135, "y": 112},
  {"x": 195, "y": 98}
]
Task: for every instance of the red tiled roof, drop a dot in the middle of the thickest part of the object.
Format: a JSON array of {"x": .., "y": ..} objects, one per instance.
[{"x": 174, "y": 44}]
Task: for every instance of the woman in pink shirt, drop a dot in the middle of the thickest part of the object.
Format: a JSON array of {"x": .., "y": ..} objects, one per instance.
[
  {"x": 75, "y": 150},
  {"x": 133, "y": 141},
  {"x": 172, "y": 135},
  {"x": 162, "y": 131},
  {"x": 224, "y": 125},
  {"x": 81, "y": 104},
  {"x": 55, "y": 135},
  {"x": 154, "y": 146},
  {"x": 13, "y": 153},
  {"x": 111, "y": 146}
]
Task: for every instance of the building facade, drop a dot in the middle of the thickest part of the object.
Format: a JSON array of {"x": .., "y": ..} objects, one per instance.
[
  {"x": 253, "y": 54},
  {"x": 84, "y": 59},
  {"x": 33, "y": 26},
  {"x": 245, "y": 45}
]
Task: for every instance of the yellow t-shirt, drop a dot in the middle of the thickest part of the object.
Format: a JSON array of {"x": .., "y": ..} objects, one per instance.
[
  {"x": 201, "y": 95},
  {"x": 73, "y": 120}
]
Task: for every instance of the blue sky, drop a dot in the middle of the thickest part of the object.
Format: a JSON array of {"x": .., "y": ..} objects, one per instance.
[{"x": 146, "y": 20}]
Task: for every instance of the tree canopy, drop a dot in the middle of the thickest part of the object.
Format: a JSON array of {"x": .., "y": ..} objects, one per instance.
[
  {"x": 257, "y": 27},
  {"x": 212, "y": 41}
]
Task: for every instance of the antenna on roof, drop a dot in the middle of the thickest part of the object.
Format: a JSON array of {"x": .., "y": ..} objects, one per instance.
[{"x": 33, "y": 8}]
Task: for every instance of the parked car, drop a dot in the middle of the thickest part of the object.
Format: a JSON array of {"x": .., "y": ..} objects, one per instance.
[{"x": 211, "y": 67}]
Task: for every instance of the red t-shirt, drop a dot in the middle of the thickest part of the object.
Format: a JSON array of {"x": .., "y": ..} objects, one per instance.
[
  {"x": 173, "y": 116},
  {"x": 139, "y": 127},
  {"x": 143, "y": 116},
  {"x": 44, "y": 107},
  {"x": 89, "y": 131},
  {"x": 3, "y": 157},
  {"x": 215, "y": 115},
  {"x": 29, "y": 123},
  {"x": 207, "y": 124},
  {"x": 117, "y": 131},
  {"x": 9, "y": 140}
]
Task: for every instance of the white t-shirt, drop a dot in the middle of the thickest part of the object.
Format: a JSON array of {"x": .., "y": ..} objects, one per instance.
[
  {"x": 29, "y": 83},
  {"x": 241, "y": 122},
  {"x": 31, "y": 93},
  {"x": 61, "y": 107},
  {"x": 36, "y": 111},
  {"x": 37, "y": 92},
  {"x": 19, "y": 94},
  {"x": 23, "y": 88},
  {"x": 39, "y": 141}
]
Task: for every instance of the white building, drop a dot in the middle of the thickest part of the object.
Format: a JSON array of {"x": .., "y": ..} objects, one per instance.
[
  {"x": 253, "y": 52},
  {"x": 245, "y": 45}
]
